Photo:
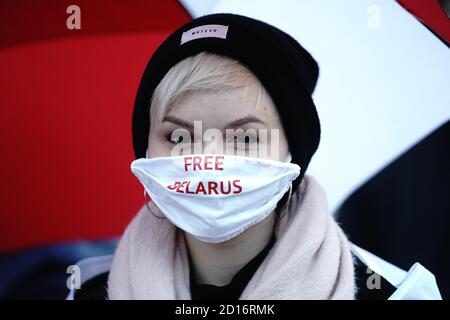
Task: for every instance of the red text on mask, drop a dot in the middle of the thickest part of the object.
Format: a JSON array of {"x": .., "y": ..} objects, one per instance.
[{"x": 203, "y": 163}]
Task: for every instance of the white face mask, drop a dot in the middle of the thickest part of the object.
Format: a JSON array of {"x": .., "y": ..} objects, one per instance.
[{"x": 215, "y": 197}]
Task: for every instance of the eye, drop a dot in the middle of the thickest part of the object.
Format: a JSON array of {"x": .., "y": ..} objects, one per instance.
[
  {"x": 245, "y": 139},
  {"x": 176, "y": 138}
]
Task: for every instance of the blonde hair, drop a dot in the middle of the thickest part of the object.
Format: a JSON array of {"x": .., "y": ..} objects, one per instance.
[{"x": 204, "y": 71}]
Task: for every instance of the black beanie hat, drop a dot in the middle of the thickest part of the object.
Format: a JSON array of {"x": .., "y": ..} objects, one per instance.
[{"x": 286, "y": 70}]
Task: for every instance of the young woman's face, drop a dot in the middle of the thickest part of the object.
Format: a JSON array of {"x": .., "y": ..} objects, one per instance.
[{"x": 239, "y": 108}]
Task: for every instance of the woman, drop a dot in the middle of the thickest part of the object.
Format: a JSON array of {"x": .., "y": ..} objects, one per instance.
[
  {"x": 272, "y": 237},
  {"x": 227, "y": 218}
]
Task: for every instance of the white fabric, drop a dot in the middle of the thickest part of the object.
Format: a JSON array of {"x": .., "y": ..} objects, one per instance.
[
  {"x": 214, "y": 197},
  {"x": 416, "y": 284}
]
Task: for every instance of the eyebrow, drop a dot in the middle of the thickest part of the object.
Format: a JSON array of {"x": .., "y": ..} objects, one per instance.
[
  {"x": 178, "y": 122},
  {"x": 233, "y": 124},
  {"x": 244, "y": 120}
]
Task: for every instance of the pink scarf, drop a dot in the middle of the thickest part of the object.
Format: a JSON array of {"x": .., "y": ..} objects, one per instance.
[{"x": 311, "y": 258}]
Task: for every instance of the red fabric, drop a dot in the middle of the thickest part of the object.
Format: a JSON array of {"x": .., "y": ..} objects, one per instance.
[
  {"x": 430, "y": 13},
  {"x": 65, "y": 116},
  {"x": 30, "y": 20}
]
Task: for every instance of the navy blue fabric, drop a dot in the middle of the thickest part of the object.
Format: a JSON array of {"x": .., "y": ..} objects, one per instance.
[
  {"x": 40, "y": 273},
  {"x": 402, "y": 214}
]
